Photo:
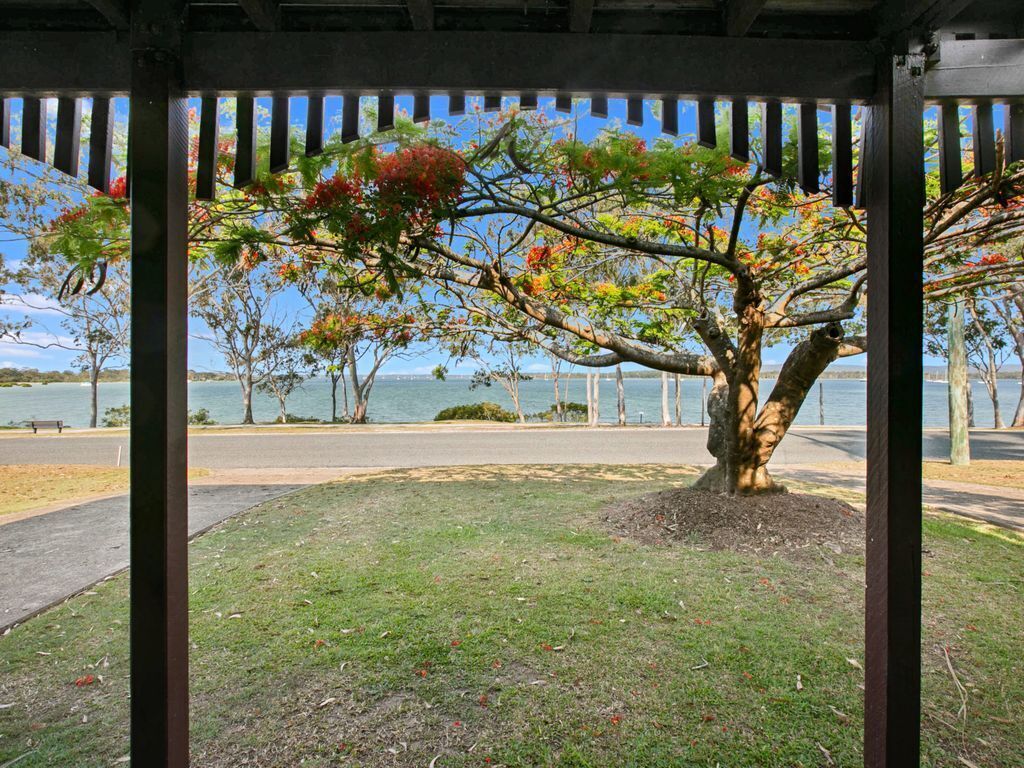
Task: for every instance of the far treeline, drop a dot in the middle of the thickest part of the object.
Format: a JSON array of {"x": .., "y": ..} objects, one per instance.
[
  {"x": 508, "y": 237},
  {"x": 35, "y": 376}
]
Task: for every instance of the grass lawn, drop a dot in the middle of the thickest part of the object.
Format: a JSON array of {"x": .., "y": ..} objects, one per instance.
[
  {"x": 1000, "y": 472},
  {"x": 27, "y": 486},
  {"x": 486, "y": 616}
]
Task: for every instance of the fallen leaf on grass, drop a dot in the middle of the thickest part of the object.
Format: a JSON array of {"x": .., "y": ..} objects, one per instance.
[
  {"x": 843, "y": 717},
  {"x": 325, "y": 702},
  {"x": 827, "y": 754},
  {"x": 968, "y": 763},
  {"x": 434, "y": 761},
  {"x": 799, "y": 683},
  {"x": 855, "y": 663}
]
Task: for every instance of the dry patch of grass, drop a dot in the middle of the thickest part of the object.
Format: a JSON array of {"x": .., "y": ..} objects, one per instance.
[
  {"x": 1003, "y": 473},
  {"x": 29, "y": 486}
]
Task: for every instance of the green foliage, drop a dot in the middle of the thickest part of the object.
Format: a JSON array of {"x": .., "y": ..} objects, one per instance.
[
  {"x": 200, "y": 418},
  {"x": 117, "y": 416},
  {"x": 575, "y": 412},
  {"x": 476, "y": 412}
]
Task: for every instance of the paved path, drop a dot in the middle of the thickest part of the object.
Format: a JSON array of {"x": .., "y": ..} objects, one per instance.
[
  {"x": 414, "y": 447},
  {"x": 47, "y": 558},
  {"x": 999, "y": 506}
]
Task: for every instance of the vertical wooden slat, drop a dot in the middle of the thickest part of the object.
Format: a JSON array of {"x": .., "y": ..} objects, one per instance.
[
  {"x": 245, "y": 149},
  {"x": 951, "y": 172},
  {"x": 5, "y": 122},
  {"x": 385, "y": 111},
  {"x": 528, "y": 101},
  {"x": 1013, "y": 131},
  {"x": 670, "y": 116},
  {"x": 771, "y": 132},
  {"x": 563, "y": 103},
  {"x": 599, "y": 106},
  {"x": 842, "y": 156},
  {"x": 456, "y": 103},
  {"x": 314, "y": 126},
  {"x": 68, "y": 144},
  {"x": 280, "y": 134},
  {"x": 807, "y": 148},
  {"x": 421, "y": 107},
  {"x": 158, "y": 506},
  {"x": 863, "y": 170},
  {"x": 895, "y": 255},
  {"x": 635, "y": 110},
  {"x": 101, "y": 143},
  {"x": 739, "y": 135},
  {"x": 984, "y": 140},
  {"x": 350, "y": 118},
  {"x": 706, "y": 133},
  {"x": 33, "y": 128},
  {"x": 209, "y": 149},
  {"x": 492, "y": 102}
]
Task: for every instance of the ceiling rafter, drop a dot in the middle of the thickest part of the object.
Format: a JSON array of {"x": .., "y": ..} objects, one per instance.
[
  {"x": 581, "y": 12},
  {"x": 899, "y": 16},
  {"x": 262, "y": 13},
  {"x": 114, "y": 11},
  {"x": 422, "y": 14},
  {"x": 740, "y": 15}
]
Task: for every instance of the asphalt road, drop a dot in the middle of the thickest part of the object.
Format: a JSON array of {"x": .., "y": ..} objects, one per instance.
[{"x": 420, "y": 448}]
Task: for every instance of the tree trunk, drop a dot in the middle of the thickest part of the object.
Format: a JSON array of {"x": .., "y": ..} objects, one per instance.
[
  {"x": 344, "y": 396},
  {"x": 359, "y": 412},
  {"x": 956, "y": 373},
  {"x": 970, "y": 404},
  {"x": 247, "y": 402},
  {"x": 1018, "y": 416},
  {"x": 590, "y": 400},
  {"x": 282, "y": 416},
  {"x": 666, "y": 418},
  {"x": 743, "y": 443},
  {"x": 558, "y": 400},
  {"x": 620, "y": 391},
  {"x": 334, "y": 397},
  {"x": 94, "y": 397},
  {"x": 597, "y": 399},
  {"x": 679, "y": 401}
]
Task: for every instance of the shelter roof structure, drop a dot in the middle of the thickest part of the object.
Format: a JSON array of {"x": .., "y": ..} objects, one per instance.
[{"x": 892, "y": 56}]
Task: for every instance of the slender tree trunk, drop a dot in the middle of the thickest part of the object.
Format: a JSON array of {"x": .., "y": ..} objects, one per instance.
[
  {"x": 282, "y": 415},
  {"x": 970, "y": 405},
  {"x": 334, "y": 396},
  {"x": 94, "y": 396},
  {"x": 247, "y": 401},
  {"x": 959, "y": 437},
  {"x": 679, "y": 401},
  {"x": 597, "y": 399},
  {"x": 990, "y": 374},
  {"x": 558, "y": 400},
  {"x": 344, "y": 396},
  {"x": 590, "y": 400},
  {"x": 620, "y": 391},
  {"x": 359, "y": 412},
  {"x": 513, "y": 391},
  {"x": 1018, "y": 415},
  {"x": 666, "y": 417}
]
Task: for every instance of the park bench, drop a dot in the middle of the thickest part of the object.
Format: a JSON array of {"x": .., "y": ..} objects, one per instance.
[{"x": 38, "y": 424}]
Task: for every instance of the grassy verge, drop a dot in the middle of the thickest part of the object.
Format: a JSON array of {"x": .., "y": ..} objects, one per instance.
[
  {"x": 998, "y": 472},
  {"x": 24, "y": 487},
  {"x": 486, "y": 616}
]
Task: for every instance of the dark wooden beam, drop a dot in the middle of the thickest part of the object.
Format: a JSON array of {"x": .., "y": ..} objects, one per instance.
[
  {"x": 245, "y": 144},
  {"x": 599, "y": 106},
  {"x": 5, "y": 121},
  {"x": 114, "y": 11},
  {"x": 670, "y": 116},
  {"x": 209, "y": 149},
  {"x": 315, "y": 126},
  {"x": 581, "y": 12},
  {"x": 707, "y": 133},
  {"x": 1013, "y": 130},
  {"x": 421, "y": 107},
  {"x": 263, "y": 14},
  {"x": 563, "y": 103},
  {"x": 808, "y": 171},
  {"x": 33, "y": 128},
  {"x": 740, "y": 15},
  {"x": 896, "y": 17},
  {"x": 739, "y": 136},
  {"x": 456, "y": 103},
  {"x": 492, "y": 102},
  {"x": 951, "y": 174},
  {"x": 68, "y": 144},
  {"x": 421, "y": 13},
  {"x": 350, "y": 117},
  {"x": 159, "y": 328},
  {"x": 771, "y": 133},
  {"x": 895, "y": 252},
  {"x": 984, "y": 140},
  {"x": 101, "y": 143},
  {"x": 842, "y": 156},
  {"x": 280, "y": 134},
  {"x": 634, "y": 111},
  {"x": 977, "y": 69},
  {"x": 299, "y": 63},
  {"x": 385, "y": 111}
]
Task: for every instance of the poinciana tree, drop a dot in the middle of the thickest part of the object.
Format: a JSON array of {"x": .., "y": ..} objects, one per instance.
[{"x": 713, "y": 259}]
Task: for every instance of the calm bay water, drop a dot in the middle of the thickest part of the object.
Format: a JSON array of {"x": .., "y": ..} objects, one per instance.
[{"x": 398, "y": 400}]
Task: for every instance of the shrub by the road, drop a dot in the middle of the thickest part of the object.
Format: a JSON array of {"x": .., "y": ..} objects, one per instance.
[{"x": 476, "y": 412}]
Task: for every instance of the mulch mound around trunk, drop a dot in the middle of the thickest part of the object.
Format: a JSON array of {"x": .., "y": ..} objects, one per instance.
[{"x": 774, "y": 523}]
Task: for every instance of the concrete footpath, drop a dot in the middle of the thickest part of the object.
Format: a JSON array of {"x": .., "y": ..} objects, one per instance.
[{"x": 47, "y": 558}]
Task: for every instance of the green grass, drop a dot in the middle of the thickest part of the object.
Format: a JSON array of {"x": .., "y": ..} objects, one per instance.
[{"x": 486, "y": 616}]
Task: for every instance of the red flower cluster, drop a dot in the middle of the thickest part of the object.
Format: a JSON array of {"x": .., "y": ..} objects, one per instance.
[
  {"x": 69, "y": 216},
  {"x": 991, "y": 259},
  {"x": 539, "y": 258},
  {"x": 335, "y": 190},
  {"x": 420, "y": 180},
  {"x": 119, "y": 188}
]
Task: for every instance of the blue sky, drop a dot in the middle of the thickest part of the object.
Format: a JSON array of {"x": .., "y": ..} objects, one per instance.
[{"x": 422, "y": 359}]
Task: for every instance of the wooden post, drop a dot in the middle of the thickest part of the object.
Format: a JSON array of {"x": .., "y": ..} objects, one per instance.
[
  {"x": 895, "y": 198},
  {"x": 159, "y": 493}
]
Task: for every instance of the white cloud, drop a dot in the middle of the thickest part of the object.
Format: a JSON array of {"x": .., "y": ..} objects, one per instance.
[
  {"x": 30, "y": 304},
  {"x": 19, "y": 350},
  {"x": 538, "y": 368}
]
